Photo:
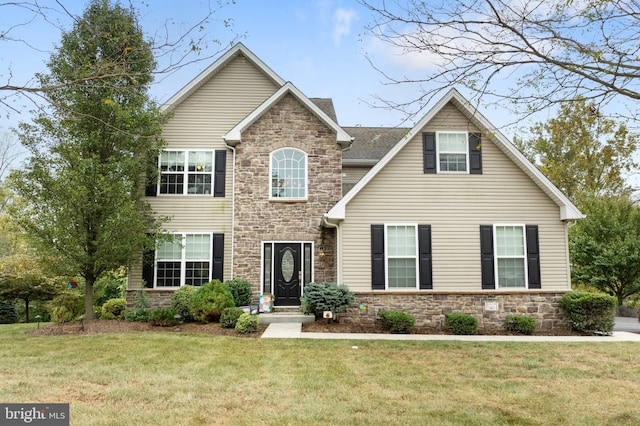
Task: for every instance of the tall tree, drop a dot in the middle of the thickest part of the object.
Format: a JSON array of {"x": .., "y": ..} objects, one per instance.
[
  {"x": 552, "y": 50},
  {"x": 605, "y": 247},
  {"x": 581, "y": 152},
  {"x": 81, "y": 191}
]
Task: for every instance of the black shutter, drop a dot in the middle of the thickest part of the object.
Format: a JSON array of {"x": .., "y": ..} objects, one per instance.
[
  {"x": 219, "y": 173},
  {"x": 424, "y": 257},
  {"x": 151, "y": 190},
  {"x": 486, "y": 257},
  {"x": 475, "y": 153},
  {"x": 148, "y": 260},
  {"x": 533, "y": 256},
  {"x": 429, "y": 152},
  {"x": 217, "y": 259},
  {"x": 377, "y": 257}
]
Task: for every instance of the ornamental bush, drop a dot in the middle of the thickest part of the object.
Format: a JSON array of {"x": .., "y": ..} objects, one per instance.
[
  {"x": 182, "y": 301},
  {"x": 140, "y": 313},
  {"x": 592, "y": 313},
  {"x": 8, "y": 312},
  {"x": 459, "y": 323},
  {"x": 241, "y": 291},
  {"x": 67, "y": 306},
  {"x": 230, "y": 316},
  {"x": 397, "y": 322},
  {"x": 519, "y": 324},
  {"x": 210, "y": 300},
  {"x": 247, "y": 323},
  {"x": 163, "y": 317},
  {"x": 322, "y": 297},
  {"x": 113, "y": 309}
]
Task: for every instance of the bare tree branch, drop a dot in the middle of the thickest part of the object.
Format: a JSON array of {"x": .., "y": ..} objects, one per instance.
[{"x": 548, "y": 51}]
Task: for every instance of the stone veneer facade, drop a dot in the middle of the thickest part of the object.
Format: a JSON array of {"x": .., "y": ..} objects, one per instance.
[
  {"x": 257, "y": 218},
  {"x": 429, "y": 308}
]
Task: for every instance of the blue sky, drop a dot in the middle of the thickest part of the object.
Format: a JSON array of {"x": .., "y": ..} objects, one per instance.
[{"x": 318, "y": 45}]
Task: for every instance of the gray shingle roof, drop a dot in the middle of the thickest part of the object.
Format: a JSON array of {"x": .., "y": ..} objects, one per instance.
[
  {"x": 370, "y": 144},
  {"x": 326, "y": 105}
]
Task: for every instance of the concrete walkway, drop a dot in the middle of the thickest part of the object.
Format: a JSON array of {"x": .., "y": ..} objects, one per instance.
[{"x": 286, "y": 330}]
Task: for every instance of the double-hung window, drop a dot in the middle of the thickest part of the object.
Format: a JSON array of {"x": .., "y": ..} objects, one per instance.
[
  {"x": 288, "y": 168},
  {"x": 402, "y": 256},
  {"x": 186, "y": 172},
  {"x": 510, "y": 256},
  {"x": 185, "y": 260},
  {"x": 452, "y": 152}
]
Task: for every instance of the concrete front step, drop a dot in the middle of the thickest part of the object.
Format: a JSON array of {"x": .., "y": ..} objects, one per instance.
[{"x": 286, "y": 317}]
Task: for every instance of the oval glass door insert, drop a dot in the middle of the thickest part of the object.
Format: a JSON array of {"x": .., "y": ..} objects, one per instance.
[{"x": 287, "y": 265}]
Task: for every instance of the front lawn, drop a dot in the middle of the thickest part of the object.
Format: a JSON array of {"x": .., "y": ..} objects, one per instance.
[{"x": 149, "y": 378}]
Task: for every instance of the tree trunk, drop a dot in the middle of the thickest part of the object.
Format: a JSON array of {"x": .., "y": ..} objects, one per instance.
[
  {"x": 26, "y": 310},
  {"x": 88, "y": 298}
]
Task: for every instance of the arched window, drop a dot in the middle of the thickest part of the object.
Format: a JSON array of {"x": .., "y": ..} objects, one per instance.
[{"x": 288, "y": 174}]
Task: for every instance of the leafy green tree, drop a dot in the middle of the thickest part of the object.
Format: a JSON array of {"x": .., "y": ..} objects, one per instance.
[
  {"x": 22, "y": 278},
  {"x": 605, "y": 247},
  {"x": 81, "y": 191},
  {"x": 581, "y": 152}
]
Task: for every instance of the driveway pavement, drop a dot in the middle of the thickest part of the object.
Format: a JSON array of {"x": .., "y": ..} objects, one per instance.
[{"x": 627, "y": 324}]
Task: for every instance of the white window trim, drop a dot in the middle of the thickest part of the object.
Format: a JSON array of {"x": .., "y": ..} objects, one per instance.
[
  {"x": 439, "y": 151},
  {"x": 386, "y": 257},
  {"x": 185, "y": 173},
  {"x": 306, "y": 176},
  {"x": 183, "y": 259},
  {"x": 523, "y": 257}
]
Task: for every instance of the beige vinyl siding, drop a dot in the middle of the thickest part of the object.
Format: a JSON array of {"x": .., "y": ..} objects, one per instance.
[
  {"x": 454, "y": 205},
  {"x": 200, "y": 122}
]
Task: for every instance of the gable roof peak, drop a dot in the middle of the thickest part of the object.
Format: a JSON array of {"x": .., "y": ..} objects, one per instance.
[{"x": 214, "y": 68}]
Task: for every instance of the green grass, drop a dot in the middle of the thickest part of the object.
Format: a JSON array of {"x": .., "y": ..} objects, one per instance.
[{"x": 179, "y": 379}]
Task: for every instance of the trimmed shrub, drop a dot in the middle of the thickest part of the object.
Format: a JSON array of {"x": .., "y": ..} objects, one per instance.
[
  {"x": 67, "y": 306},
  {"x": 114, "y": 309},
  {"x": 163, "y": 317},
  {"x": 181, "y": 302},
  {"x": 210, "y": 300},
  {"x": 519, "y": 324},
  {"x": 459, "y": 323},
  {"x": 397, "y": 322},
  {"x": 247, "y": 323},
  {"x": 321, "y": 297},
  {"x": 8, "y": 312},
  {"x": 230, "y": 316},
  {"x": 592, "y": 313},
  {"x": 241, "y": 291}
]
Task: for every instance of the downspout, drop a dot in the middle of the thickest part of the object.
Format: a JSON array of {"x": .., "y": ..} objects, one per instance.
[{"x": 233, "y": 205}]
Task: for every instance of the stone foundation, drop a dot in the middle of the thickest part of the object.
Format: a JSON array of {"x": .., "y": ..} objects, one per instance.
[
  {"x": 155, "y": 298},
  {"x": 429, "y": 308}
]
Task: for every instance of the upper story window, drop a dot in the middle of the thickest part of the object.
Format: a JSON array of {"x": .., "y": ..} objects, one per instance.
[
  {"x": 452, "y": 152},
  {"x": 186, "y": 172},
  {"x": 288, "y": 174}
]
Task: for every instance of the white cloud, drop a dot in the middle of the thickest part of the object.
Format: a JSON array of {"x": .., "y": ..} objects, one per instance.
[{"x": 342, "y": 21}]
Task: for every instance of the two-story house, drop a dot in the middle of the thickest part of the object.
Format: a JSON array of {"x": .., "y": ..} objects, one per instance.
[{"x": 262, "y": 184}]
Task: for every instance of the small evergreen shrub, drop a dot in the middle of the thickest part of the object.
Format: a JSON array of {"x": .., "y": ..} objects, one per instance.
[
  {"x": 210, "y": 300},
  {"x": 181, "y": 302},
  {"x": 247, "y": 323},
  {"x": 519, "y": 324},
  {"x": 397, "y": 322},
  {"x": 8, "y": 312},
  {"x": 321, "y": 297},
  {"x": 139, "y": 313},
  {"x": 592, "y": 313},
  {"x": 67, "y": 306},
  {"x": 230, "y": 316},
  {"x": 241, "y": 291},
  {"x": 459, "y": 323},
  {"x": 114, "y": 309},
  {"x": 163, "y": 317}
]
